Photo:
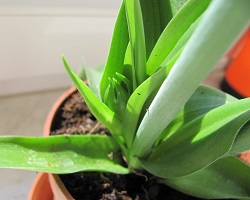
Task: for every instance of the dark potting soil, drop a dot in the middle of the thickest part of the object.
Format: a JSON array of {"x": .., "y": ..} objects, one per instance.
[{"x": 75, "y": 118}]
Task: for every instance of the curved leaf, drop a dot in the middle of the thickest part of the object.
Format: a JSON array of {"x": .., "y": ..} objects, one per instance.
[
  {"x": 156, "y": 15},
  {"x": 242, "y": 141},
  {"x": 203, "y": 100},
  {"x": 117, "y": 50},
  {"x": 61, "y": 154},
  {"x": 186, "y": 16},
  {"x": 137, "y": 40},
  {"x": 200, "y": 142},
  {"x": 182, "y": 41},
  {"x": 139, "y": 45},
  {"x": 98, "y": 108},
  {"x": 226, "y": 178},
  {"x": 94, "y": 76}
]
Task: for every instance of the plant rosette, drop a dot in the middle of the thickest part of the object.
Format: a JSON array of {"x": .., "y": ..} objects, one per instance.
[
  {"x": 148, "y": 95},
  {"x": 60, "y": 191},
  {"x": 50, "y": 186}
]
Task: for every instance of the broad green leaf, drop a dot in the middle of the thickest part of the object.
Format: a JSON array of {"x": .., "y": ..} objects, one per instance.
[
  {"x": 94, "y": 76},
  {"x": 117, "y": 50},
  {"x": 156, "y": 15},
  {"x": 175, "y": 5},
  {"x": 98, "y": 109},
  {"x": 242, "y": 141},
  {"x": 81, "y": 73},
  {"x": 116, "y": 97},
  {"x": 176, "y": 51},
  {"x": 139, "y": 45},
  {"x": 153, "y": 21},
  {"x": 137, "y": 40},
  {"x": 225, "y": 179},
  {"x": 123, "y": 79},
  {"x": 202, "y": 101},
  {"x": 61, "y": 154},
  {"x": 110, "y": 98},
  {"x": 182, "y": 41},
  {"x": 200, "y": 142},
  {"x": 186, "y": 16},
  {"x": 177, "y": 88},
  {"x": 128, "y": 70}
]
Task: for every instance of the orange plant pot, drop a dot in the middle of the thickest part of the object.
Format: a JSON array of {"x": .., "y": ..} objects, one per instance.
[
  {"x": 237, "y": 75},
  {"x": 41, "y": 188}
]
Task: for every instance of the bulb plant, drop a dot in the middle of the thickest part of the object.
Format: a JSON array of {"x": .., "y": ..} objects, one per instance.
[{"x": 148, "y": 95}]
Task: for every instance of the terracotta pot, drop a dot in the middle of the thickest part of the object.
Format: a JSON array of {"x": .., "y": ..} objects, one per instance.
[
  {"x": 245, "y": 156},
  {"x": 60, "y": 192},
  {"x": 237, "y": 47},
  {"x": 41, "y": 188}
]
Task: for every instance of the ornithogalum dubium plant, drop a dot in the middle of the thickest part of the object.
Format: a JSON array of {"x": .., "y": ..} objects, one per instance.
[{"x": 149, "y": 97}]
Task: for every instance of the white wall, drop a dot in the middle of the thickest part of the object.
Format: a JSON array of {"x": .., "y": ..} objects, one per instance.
[{"x": 34, "y": 34}]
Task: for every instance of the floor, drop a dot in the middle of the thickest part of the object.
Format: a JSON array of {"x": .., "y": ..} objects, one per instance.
[{"x": 23, "y": 115}]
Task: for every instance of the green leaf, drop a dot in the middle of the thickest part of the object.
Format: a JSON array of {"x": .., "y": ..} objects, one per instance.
[
  {"x": 124, "y": 80},
  {"x": 154, "y": 21},
  {"x": 122, "y": 93},
  {"x": 110, "y": 98},
  {"x": 94, "y": 76},
  {"x": 176, "y": 51},
  {"x": 117, "y": 50},
  {"x": 81, "y": 72},
  {"x": 128, "y": 68},
  {"x": 202, "y": 101},
  {"x": 200, "y": 142},
  {"x": 186, "y": 16},
  {"x": 61, "y": 154},
  {"x": 107, "y": 117},
  {"x": 226, "y": 178},
  {"x": 182, "y": 41},
  {"x": 242, "y": 141},
  {"x": 156, "y": 15},
  {"x": 175, "y": 5},
  {"x": 137, "y": 40},
  {"x": 139, "y": 45},
  {"x": 227, "y": 25},
  {"x": 116, "y": 97}
]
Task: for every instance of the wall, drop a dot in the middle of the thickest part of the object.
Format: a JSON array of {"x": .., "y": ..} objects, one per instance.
[{"x": 34, "y": 35}]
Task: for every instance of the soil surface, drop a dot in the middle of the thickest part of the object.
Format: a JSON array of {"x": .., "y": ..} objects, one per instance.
[{"x": 75, "y": 118}]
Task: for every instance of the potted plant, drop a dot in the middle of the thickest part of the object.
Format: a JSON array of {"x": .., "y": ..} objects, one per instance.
[{"x": 163, "y": 125}]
